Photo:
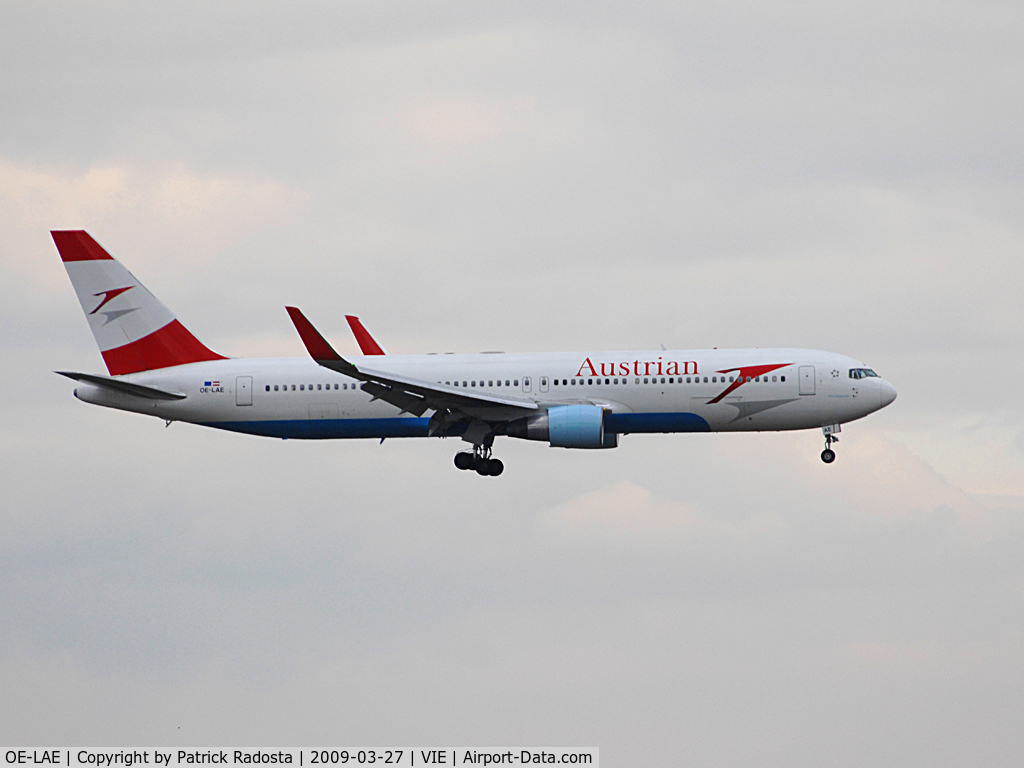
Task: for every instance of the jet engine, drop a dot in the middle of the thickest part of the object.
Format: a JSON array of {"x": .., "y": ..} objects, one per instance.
[{"x": 566, "y": 426}]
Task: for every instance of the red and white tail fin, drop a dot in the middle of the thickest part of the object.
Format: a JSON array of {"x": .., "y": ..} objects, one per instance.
[{"x": 134, "y": 330}]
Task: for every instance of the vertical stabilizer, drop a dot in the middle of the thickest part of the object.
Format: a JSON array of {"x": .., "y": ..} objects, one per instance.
[{"x": 134, "y": 330}]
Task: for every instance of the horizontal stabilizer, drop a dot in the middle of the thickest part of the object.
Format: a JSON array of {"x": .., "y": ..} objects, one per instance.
[{"x": 124, "y": 387}]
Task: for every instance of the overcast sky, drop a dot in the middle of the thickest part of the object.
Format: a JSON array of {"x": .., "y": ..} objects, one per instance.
[{"x": 524, "y": 177}]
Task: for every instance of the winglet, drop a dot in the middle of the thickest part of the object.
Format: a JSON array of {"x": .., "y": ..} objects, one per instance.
[
  {"x": 316, "y": 344},
  {"x": 366, "y": 342}
]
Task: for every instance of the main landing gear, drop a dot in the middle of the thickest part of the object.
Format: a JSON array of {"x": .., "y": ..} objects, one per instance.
[{"x": 480, "y": 460}]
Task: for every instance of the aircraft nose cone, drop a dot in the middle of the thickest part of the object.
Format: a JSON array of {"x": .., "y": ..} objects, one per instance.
[{"x": 886, "y": 394}]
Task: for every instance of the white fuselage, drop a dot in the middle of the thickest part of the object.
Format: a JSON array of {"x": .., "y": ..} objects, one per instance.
[{"x": 653, "y": 391}]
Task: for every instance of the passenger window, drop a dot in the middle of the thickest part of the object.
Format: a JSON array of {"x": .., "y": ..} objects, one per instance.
[
  {"x": 590, "y": 381},
  {"x": 782, "y": 378},
  {"x": 268, "y": 387},
  {"x": 705, "y": 379},
  {"x": 302, "y": 387},
  {"x": 463, "y": 383},
  {"x": 607, "y": 381},
  {"x": 662, "y": 379},
  {"x": 671, "y": 380},
  {"x": 637, "y": 380},
  {"x": 506, "y": 382},
  {"x": 645, "y": 381},
  {"x": 573, "y": 382},
  {"x": 714, "y": 379},
  {"x": 490, "y": 383},
  {"x": 773, "y": 378},
  {"x": 515, "y": 382}
]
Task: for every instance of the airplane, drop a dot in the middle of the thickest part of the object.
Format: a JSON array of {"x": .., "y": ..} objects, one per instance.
[{"x": 584, "y": 400}]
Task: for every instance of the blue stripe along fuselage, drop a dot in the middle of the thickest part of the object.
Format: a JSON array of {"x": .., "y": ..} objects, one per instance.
[
  {"x": 326, "y": 429},
  {"x": 655, "y": 422}
]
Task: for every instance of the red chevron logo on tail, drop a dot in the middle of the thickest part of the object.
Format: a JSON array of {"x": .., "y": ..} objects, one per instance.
[{"x": 113, "y": 293}]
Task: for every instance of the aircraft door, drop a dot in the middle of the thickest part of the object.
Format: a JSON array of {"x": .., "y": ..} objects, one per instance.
[
  {"x": 527, "y": 384},
  {"x": 543, "y": 383},
  {"x": 243, "y": 390},
  {"x": 806, "y": 379}
]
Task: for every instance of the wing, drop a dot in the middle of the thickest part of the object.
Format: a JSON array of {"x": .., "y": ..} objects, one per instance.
[{"x": 411, "y": 395}]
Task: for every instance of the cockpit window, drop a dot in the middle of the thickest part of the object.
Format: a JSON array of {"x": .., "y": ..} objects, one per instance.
[{"x": 862, "y": 373}]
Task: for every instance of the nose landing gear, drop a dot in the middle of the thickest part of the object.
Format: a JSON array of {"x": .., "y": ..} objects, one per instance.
[
  {"x": 828, "y": 455},
  {"x": 480, "y": 460}
]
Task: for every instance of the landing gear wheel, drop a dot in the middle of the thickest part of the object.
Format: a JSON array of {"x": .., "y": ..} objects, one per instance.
[
  {"x": 492, "y": 467},
  {"x": 480, "y": 460},
  {"x": 828, "y": 455}
]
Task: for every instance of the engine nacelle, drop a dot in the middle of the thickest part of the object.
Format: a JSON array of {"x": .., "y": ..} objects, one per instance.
[{"x": 566, "y": 426}]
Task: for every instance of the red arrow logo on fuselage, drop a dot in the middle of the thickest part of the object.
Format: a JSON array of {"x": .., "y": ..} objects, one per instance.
[{"x": 746, "y": 373}]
